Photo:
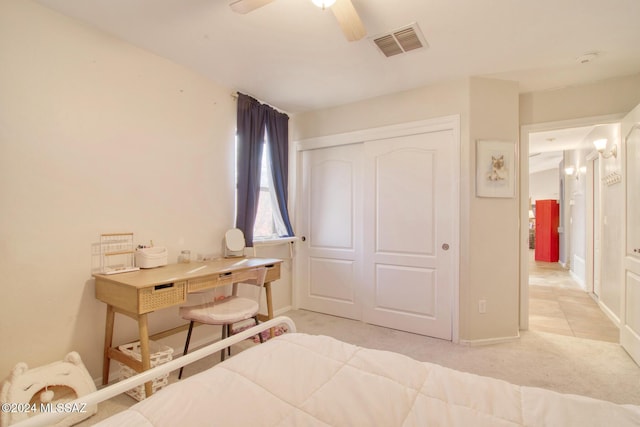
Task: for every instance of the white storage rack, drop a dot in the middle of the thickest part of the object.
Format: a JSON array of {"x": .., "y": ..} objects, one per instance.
[{"x": 117, "y": 253}]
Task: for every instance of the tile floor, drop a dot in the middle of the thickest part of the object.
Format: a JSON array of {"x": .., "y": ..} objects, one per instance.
[{"x": 558, "y": 305}]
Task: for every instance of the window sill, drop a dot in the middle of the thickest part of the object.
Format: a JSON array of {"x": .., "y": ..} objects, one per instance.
[{"x": 274, "y": 241}]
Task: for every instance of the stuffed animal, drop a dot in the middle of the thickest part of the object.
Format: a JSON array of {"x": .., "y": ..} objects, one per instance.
[{"x": 27, "y": 392}]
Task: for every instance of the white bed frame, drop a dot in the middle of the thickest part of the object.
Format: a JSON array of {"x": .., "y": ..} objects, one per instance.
[{"x": 47, "y": 419}]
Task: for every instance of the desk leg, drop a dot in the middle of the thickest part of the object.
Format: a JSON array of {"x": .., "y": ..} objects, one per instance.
[
  {"x": 108, "y": 341},
  {"x": 143, "y": 328},
  {"x": 267, "y": 288}
]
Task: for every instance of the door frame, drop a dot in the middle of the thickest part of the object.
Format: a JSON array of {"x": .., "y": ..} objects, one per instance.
[
  {"x": 445, "y": 123},
  {"x": 525, "y": 130},
  {"x": 594, "y": 211},
  {"x": 628, "y": 338}
]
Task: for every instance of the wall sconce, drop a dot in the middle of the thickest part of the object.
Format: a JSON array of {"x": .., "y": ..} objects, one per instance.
[
  {"x": 601, "y": 146},
  {"x": 572, "y": 171}
]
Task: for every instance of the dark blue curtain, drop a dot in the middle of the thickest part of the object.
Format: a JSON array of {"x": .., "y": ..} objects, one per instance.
[
  {"x": 254, "y": 119},
  {"x": 250, "y": 128},
  {"x": 278, "y": 131}
]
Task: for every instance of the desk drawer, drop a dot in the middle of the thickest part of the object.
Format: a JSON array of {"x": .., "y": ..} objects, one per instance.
[
  {"x": 161, "y": 296},
  {"x": 204, "y": 283},
  {"x": 222, "y": 279},
  {"x": 273, "y": 273}
]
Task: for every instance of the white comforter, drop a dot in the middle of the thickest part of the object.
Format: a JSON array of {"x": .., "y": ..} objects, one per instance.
[{"x": 304, "y": 380}]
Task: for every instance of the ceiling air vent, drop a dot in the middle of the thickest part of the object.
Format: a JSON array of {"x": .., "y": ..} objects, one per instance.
[{"x": 399, "y": 41}]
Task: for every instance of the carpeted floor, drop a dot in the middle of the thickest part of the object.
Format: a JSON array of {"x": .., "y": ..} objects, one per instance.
[{"x": 562, "y": 363}]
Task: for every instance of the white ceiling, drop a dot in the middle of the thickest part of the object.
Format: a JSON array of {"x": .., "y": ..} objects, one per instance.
[
  {"x": 546, "y": 148},
  {"x": 293, "y": 55}
]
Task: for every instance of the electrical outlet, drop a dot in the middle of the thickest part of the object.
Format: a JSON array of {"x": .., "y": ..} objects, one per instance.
[{"x": 482, "y": 306}]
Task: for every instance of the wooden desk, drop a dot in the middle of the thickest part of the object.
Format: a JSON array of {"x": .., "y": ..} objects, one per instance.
[{"x": 138, "y": 293}]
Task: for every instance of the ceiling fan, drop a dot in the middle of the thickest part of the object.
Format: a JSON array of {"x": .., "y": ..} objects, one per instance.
[{"x": 343, "y": 10}]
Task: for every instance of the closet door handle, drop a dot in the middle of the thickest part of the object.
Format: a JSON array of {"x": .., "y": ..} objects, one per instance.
[{"x": 445, "y": 246}]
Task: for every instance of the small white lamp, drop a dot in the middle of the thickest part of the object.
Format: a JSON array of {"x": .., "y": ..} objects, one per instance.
[{"x": 601, "y": 146}]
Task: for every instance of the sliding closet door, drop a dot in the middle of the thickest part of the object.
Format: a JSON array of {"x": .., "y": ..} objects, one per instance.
[
  {"x": 409, "y": 194},
  {"x": 329, "y": 259},
  {"x": 377, "y": 213}
]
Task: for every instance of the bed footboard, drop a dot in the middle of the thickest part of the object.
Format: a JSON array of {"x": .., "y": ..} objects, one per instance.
[{"x": 46, "y": 419}]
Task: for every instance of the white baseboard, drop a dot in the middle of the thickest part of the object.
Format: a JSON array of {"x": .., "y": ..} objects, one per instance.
[
  {"x": 610, "y": 314},
  {"x": 489, "y": 341},
  {"x": 579, "y": 265},
  {"x": 578, "y": 280}
]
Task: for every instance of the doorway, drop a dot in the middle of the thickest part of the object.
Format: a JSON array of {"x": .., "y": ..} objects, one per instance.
[{"x": 558, "y": 297}]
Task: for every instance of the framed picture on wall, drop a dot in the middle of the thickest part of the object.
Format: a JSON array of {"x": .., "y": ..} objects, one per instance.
[{"x": 495, "y": 168}]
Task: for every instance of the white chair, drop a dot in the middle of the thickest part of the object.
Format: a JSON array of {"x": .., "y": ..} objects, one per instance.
[{"x": 242, "y": 303}]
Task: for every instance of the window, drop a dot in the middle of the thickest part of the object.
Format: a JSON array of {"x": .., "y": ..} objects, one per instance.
[
  {"x": 265, "y": 226},
  {"x": 268, "y": 223}
]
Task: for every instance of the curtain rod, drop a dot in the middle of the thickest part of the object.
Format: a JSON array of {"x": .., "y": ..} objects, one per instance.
[{"x": 235, "y": 94}]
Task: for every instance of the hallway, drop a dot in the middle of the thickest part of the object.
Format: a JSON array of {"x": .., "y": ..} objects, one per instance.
[{"x": 558, "y": 305}]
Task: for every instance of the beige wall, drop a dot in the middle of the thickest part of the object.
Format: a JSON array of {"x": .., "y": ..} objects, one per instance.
[
  {"x": 418, "y": 104},
  {"x": 614, "y": 96},
  {"x": 96, "y": 136},
  {"x": 493, "y": 223}
]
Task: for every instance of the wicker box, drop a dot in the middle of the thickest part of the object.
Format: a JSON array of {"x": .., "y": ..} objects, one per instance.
[
  {"x": 153, "y": 298},
  {"x": 159, "y": 354}
]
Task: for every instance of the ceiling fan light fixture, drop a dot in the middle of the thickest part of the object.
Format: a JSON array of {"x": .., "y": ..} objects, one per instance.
[{"x": 323, "y": 4}]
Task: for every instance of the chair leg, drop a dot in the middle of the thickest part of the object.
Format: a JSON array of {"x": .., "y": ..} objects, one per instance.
[
  {"x": 255, "y": 318},
  {"x": 186, "y": 346},
  {"x": 229, "y": 333},
  {"x": 224, "y": 335}
]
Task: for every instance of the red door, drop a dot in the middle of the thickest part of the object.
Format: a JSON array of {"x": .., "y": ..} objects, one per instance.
[{"x": 547, "y": 221}]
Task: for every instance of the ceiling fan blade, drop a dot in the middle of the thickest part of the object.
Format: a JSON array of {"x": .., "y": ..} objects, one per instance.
[
  {"x": 349, "y": 20},
  {"x": 246, "y": 6}
]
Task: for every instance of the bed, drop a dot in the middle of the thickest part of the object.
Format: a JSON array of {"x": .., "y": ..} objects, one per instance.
[{"x": 298, "y": 379}]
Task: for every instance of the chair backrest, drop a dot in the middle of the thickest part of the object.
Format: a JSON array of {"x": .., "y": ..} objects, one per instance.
[
  {"x": 255, "y": 277},
  {"x": 245, "y": 284}
]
